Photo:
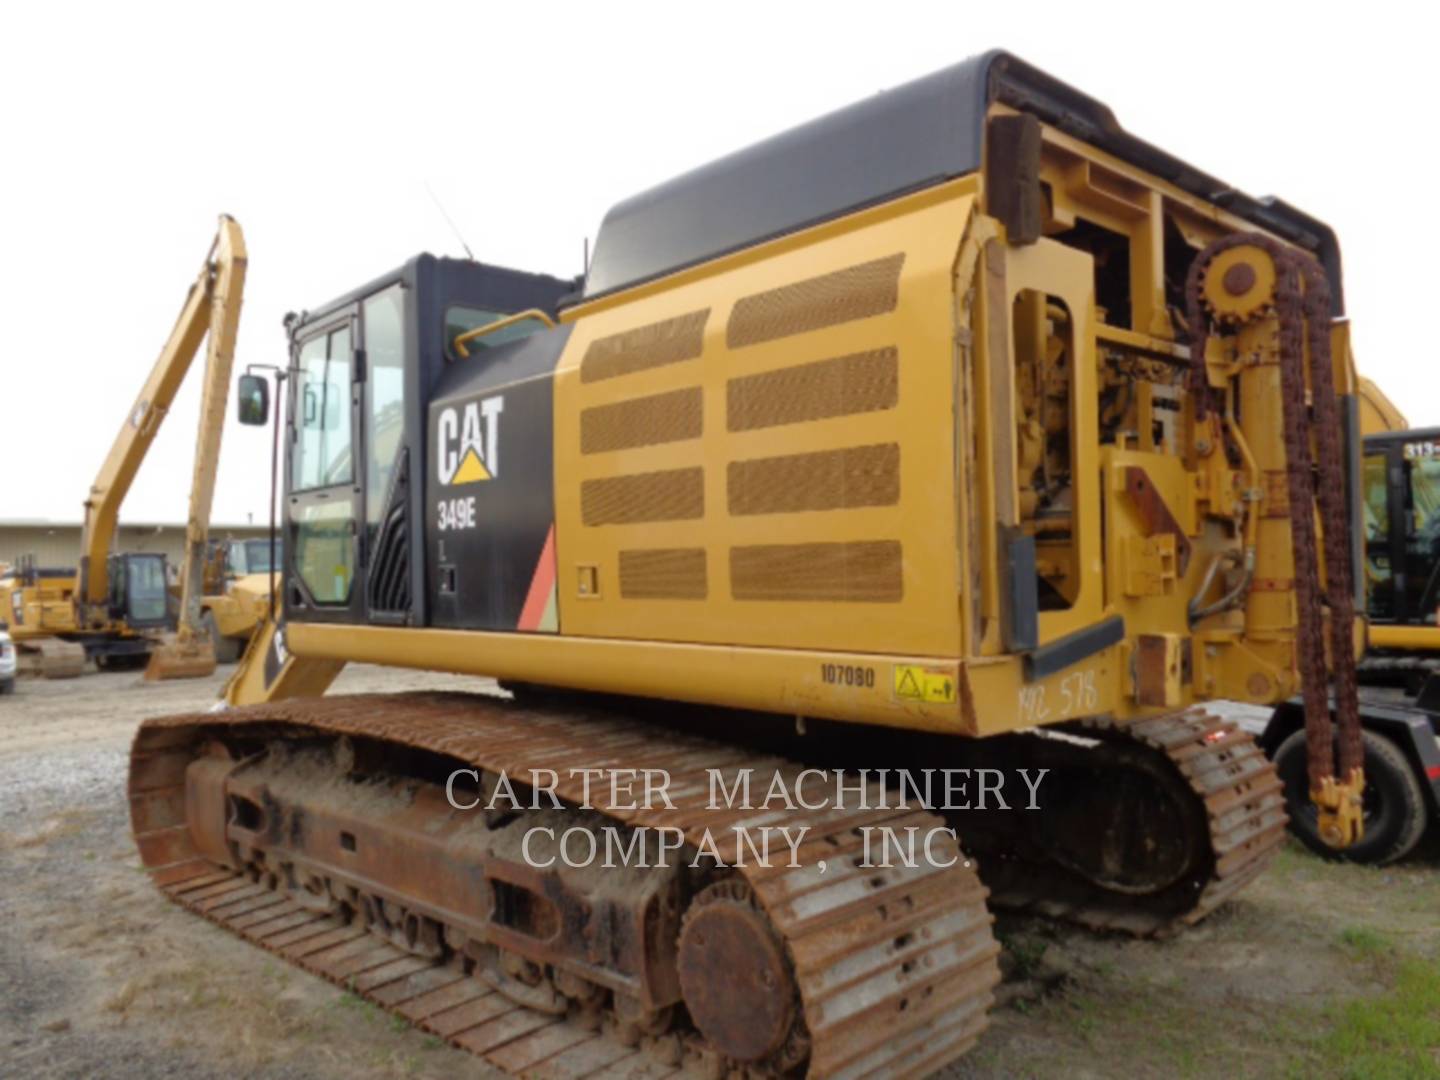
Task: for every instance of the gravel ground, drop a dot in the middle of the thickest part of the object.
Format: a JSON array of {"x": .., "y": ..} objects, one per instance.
[{"x": 99, "y": 976}]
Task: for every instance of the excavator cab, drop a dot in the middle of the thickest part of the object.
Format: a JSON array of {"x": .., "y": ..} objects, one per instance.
[
  {"x": 1402, "y": 529},
  {"x": 227, "y": 560},
  {"x": 365, "y": 371},
  {"x": 139, "y": 595}
]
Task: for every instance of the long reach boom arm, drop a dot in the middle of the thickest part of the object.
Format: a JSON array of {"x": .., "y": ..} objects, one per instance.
[{"x": 212, "y": 307}]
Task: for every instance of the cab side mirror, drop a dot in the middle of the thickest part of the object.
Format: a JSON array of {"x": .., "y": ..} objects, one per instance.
[{"x": 253, "y": 404}]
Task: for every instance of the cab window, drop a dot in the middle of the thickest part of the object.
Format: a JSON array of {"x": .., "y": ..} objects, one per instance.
[
  {"x": 325, "y": 551},
  {"x": 322, "y": 455},
  {"x": 1422, "y": 540},
  {"x": 1379, "y": 573},
  {"x": 383, "y": 317},
  {"x": 146, "y": 589},
  {"x": 253, "y": 556},
  {"x": 1424, "y": 511}
]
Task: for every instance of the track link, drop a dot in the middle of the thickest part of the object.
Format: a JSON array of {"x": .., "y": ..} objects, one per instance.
[
  {"x": 1243, "y": 802},
  {"x": 894, "y": 967}
]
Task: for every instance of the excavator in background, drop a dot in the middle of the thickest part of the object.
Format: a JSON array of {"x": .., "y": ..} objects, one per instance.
[
  {"x": 55, "y": 631},
  {"x": 956, "y": 430},
  {"x": 238, "y": 582},
  {"x": 115, "y": 607},
  {"x": 1399, "y": 698},
  {"x": 212, "y": 312}
]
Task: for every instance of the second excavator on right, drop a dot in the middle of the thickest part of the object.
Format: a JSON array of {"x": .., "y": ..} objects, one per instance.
[{"x": 1399, "y": 693}]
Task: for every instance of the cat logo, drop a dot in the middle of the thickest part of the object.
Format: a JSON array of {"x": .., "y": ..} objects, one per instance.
[{"x": 468, "y": 442}]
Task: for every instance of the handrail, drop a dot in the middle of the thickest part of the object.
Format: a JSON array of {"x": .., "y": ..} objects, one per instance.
[{"x": 499, "y": 324}]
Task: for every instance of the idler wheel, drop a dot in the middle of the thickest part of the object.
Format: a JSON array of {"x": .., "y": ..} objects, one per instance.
[{"x": 734, "y": 976}]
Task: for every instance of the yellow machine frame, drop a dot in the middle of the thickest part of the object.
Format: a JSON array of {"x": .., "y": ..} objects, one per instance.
[{"x": 935, "y": 657}]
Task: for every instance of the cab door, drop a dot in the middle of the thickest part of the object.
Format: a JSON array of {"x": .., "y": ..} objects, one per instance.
[{"x": 324, "y": 485}]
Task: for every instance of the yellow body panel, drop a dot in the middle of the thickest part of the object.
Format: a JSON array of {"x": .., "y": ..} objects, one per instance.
[
  {"x": 922, "y": 617},
  {"x": 242, "y": 607},
  {"x": 43, "y": 609},
  {"x": 988, "y": 697}
]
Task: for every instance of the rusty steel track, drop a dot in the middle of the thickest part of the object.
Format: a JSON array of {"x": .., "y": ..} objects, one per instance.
[
  {"x": 1243, "y": 806},
  {"x": 894, "y": 967}
]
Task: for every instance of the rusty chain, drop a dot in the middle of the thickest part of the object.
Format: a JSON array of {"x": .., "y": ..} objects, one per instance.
[{"x": 1302, "y": 309}]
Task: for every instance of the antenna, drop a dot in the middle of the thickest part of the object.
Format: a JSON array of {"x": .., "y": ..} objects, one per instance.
[{"x": 450, "y": 221}]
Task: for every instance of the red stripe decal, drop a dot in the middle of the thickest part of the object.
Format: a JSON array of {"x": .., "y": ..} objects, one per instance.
[
  {"x": 1433, "y": 772},
  {"x": 540, "y": 586}
]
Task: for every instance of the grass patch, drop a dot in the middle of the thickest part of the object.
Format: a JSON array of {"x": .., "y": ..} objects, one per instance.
[
  {"x": 1083, "y": 1019},
  {"x": 1293, "y": 861},
  {"x": 367, "y": 1010},
  {"x": 1154, "y": 1032},
  {"x": 1394, "y": 1036},
  {"x": 1365, "y": 941},
  {"x": 1027, "y": 953}
]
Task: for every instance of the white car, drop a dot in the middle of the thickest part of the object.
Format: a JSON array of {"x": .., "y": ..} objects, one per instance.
[{"x": 7, "y": 662}]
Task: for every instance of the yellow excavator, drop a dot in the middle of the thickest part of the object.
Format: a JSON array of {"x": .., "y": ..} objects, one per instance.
[
  {"x": 956, "y": 438},
  {"x": 55, "y": 633},
  {"x": 114, "y": 607},
  {"x": 236, "y": 594}
]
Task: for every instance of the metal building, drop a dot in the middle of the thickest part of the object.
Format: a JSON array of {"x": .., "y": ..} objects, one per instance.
[{"x": 57, "y": 543}]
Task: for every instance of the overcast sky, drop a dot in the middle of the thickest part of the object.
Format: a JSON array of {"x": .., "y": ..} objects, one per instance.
[{"x": 126, "y": 128}]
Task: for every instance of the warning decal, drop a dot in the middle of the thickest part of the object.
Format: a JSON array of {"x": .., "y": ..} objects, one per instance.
[{"x": 916, "y": 683}]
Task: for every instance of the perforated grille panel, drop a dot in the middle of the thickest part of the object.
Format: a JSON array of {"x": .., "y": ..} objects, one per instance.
[
  {"x": 663, "y": 574},
  {"x": 842, "y": 386},
  {"x": 654, "y": 345},
  {"x": 826, "y": 480},
  {"x": 670, "y": 495},
  {"x": 646, "y": 421},
  {"x": 865, "y": 571},
  {"x": 811, "y": 478},
  {"x": 857, "y": 292}
]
